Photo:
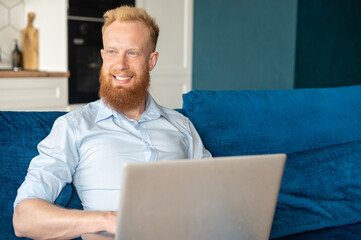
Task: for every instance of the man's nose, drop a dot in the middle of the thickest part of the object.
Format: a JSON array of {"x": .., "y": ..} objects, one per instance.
[{"x": 122, "y": 62}]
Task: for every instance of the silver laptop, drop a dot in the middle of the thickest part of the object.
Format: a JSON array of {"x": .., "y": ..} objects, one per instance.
[{"x": 219, "y": 198}]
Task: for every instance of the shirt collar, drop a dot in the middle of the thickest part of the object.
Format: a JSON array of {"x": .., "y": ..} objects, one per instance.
[
  {"x": 152, "y": 111},
  {"x": 104, "y": 111}
]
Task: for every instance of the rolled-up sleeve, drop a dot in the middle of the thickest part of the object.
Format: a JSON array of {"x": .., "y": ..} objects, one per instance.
[{"x": 54, "y": 166}]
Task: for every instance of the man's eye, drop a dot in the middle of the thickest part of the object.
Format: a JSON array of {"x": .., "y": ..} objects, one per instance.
[
  {"x": 111, "y": 52},
  {"x": 132, "y": 53}
]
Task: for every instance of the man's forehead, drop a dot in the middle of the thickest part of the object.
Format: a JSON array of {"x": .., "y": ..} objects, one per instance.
[{"x": 133, "y": 34}]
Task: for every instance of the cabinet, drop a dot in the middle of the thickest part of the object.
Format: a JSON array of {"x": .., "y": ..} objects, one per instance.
[{"x": 33, "y": 91}]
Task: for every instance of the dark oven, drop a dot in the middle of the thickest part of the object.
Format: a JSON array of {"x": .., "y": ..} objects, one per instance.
[{"x": 84, "y": 43}]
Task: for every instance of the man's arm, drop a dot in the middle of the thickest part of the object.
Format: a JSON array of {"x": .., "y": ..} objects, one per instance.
[{"x": 39, "y": 219}]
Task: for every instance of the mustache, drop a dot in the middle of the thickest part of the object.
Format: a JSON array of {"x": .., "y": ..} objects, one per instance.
[{"x": 126, "y": 73}]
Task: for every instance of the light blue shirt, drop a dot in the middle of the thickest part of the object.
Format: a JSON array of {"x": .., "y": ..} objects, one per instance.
[{"x": 90, "y": 145}]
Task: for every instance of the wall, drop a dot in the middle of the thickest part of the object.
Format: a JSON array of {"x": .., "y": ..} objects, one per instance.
[
  {"x": 244, "y": 44},
  {"x": 328, "y": 43},
  {"x": 11, "y": 23},
  {"x": 50, "y": 20}
]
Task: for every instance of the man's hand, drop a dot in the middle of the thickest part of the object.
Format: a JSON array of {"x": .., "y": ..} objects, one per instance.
[
  {"x": 111, "y": 221},
  {"x": 39, "y": 219}
]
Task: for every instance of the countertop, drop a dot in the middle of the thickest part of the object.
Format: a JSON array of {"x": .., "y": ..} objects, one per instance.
[{"x": 22, "y": 74}]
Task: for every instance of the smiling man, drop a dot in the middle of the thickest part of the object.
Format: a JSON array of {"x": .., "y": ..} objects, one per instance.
[
  {"x": 128, "y": 57},
  {"x": 90, "y": 145}
]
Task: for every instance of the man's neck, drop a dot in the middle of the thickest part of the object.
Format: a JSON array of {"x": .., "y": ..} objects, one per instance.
[{"x": 135, "y": 113}]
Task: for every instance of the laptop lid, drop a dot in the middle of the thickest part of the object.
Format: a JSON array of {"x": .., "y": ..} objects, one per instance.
[{"x": 218, "y": 198}]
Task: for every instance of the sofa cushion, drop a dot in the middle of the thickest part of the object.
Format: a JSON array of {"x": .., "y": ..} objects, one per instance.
[
  {"x": 321, "y": 188},
  {"x": 274, "y": 121}
]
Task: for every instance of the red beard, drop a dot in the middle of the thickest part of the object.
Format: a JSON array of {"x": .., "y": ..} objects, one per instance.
[{"x": 126, "y": 98}]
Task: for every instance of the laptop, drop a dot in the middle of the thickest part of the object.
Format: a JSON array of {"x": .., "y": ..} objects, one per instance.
[{"x": 218, "y": 198}]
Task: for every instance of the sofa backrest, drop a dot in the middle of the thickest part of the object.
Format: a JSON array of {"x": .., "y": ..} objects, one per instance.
[{"x": 274, "y": 121}]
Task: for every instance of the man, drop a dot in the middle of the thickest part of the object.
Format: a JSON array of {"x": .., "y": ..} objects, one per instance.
[{"x": 89, "y": 146}]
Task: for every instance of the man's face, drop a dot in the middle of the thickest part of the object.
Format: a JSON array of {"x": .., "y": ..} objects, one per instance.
[{"x": 127, "y": 60}]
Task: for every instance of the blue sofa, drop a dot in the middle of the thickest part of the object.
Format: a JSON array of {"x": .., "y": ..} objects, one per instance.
[{"x": 319, "y": 129}]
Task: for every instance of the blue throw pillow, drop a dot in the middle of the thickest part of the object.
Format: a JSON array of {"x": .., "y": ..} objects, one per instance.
[{"x": 320, "y": 188}]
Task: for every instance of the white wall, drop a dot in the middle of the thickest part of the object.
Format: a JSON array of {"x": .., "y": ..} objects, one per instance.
[
  {"x": 51, "y": 21},
  {"x": 11, "y": 23}
]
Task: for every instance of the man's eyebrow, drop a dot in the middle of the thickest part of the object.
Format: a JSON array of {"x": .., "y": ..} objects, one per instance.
[{"x": 133, "y": 48}]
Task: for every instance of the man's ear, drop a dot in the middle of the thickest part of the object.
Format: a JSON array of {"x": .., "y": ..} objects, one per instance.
[{"x": 153, "y": 58}]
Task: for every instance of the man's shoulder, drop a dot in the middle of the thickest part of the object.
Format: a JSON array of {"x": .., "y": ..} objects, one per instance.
[
  {"x": 171, "y": 113},
  {"x": 176, "y": 118},
  {"x": 88, "y": 113}
]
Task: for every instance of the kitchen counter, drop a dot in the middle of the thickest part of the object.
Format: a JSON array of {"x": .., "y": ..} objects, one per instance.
[{"x": 24, "y": 74}]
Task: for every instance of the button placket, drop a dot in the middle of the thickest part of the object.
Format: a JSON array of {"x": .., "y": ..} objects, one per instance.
[{"x": 151, "y": 153}]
